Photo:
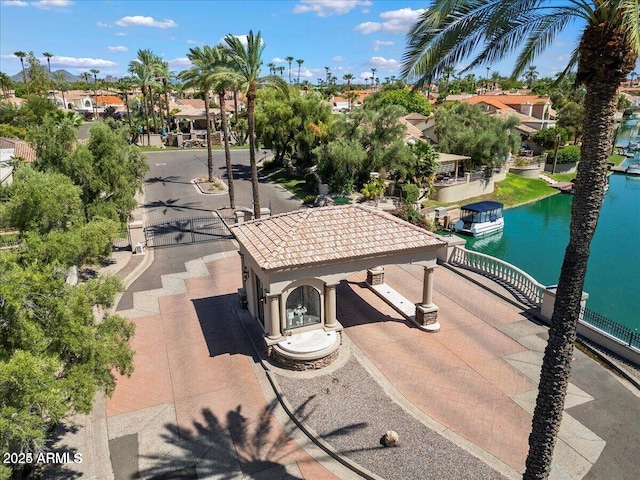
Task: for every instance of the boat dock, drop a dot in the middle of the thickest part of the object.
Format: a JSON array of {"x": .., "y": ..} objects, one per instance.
[{"x": 619, "y": 169}]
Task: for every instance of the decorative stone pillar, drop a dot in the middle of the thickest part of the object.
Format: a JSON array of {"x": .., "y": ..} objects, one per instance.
[
  {"x": 330, "y": 320},
  {"x": 273, "y": 316},
  {"x": 427, "y": 286},
  {"x": 375, "y": 276},
  {"x": 427, "y": 312}
]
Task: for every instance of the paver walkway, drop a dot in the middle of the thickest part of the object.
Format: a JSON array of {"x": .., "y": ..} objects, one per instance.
[{"x": 193, "y": 407}]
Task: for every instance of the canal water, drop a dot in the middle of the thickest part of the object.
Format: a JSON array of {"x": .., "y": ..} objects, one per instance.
[{"x": 535, "y": 237}]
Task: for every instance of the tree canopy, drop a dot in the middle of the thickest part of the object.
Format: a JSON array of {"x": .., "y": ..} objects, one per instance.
[{"x": 465, "y": 129}]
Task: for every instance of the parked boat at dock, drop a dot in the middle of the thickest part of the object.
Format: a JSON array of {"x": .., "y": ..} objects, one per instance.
[
  {"x": 480, "y": 218},
  {"x": 633, "y": 169}
]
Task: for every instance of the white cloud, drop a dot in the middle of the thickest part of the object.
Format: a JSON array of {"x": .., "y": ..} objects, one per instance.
[
  {"x": 394, "y": 21},
  {"x": 194, "y": 42},
  {"x": 383, "y": 62},
  {"x": 242, "y": 38},
  {"x": 339, "y": 58},
  {"x": 120, "y": 34},
  {"x": 326, "y": 8},
  {"x": 81, "y": 62},
  {"x": 13, "y": 3},
  {"x": 118, "y": 48},
  {"x": 104, "y": 25},
  {"x": 364, "y": 75},
  {"x": 47, "y": 4},
  {"x": 140, "y": 21},
  {"x": 179, "y": 63},
  {"x": 278, "y": 60},
  {"x": 381, "y": 43}
]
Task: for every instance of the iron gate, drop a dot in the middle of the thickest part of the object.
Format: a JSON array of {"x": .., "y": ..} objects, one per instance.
[{"x": 184, "y": 231}]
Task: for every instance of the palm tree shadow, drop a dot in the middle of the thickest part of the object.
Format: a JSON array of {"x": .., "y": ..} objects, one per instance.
[{"x": 256, "y": 447}]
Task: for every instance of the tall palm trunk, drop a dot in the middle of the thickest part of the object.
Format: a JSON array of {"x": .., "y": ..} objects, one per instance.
[
  {"x": 207, "y": 114},
  {"x": 152, "y": 108},
  {"x": 145, "y": 93},
  {"x": 126, "y": 102},
  {"x": 251, "y": 99},
  {"x": 24, "y": 75},
  {"x": 166, "y": 101},
  {"x": 604, "y": 62},
  {"x": 227, "y": 149}
]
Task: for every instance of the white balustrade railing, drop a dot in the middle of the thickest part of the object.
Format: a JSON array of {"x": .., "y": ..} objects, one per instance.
[{"x": 521, "y": 282}]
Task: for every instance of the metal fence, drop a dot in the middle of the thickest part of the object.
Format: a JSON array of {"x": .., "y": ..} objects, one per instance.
[
  {"x": 622, "y": 333},
  {"x": 187, "y": 230}
]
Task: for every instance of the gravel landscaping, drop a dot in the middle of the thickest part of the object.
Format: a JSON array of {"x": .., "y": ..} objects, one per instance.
[{"x": 351, "y": 412}]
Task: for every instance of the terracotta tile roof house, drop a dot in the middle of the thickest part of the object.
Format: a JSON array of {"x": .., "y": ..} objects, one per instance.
[
  {"x": 19, "y": 149},
  {"x": 413, "y": 132},
  {"x": 329, "y": 235},
  {"x": 534, "y": 112}
]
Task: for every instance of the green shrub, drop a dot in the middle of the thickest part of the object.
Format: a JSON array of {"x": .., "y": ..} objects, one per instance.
[
  {"x": 270, "y": 165},
  {"x": 410, "y": 192},
  {"x": 309, "y": 199},
  {"x": 569, "y": 154}
]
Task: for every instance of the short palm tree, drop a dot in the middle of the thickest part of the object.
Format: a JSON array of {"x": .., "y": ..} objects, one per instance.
[
  {"x": 6, "y": 84},
  {"x": 247, "y": 62},
  {"x": 531, "y": 75},
  {"x": 21, "y": 55},
  {"x": 451, "y": 31}
]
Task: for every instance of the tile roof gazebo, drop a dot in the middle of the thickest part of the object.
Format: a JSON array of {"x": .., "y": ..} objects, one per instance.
[{"x": 293, "y": 262}]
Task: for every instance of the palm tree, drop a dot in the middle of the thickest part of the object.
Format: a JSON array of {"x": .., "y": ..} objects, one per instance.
[
  {"x": 607, "y": 51},
  {"x": 289, "y": 60},
  {"x": 299, "y": 62},
  {"x": 531, "y": 75},
  {"x": 327, "y": 70},
  {"x": 200, "y": 77},
  {"x": 21, "y": 55},
  {"x": 373, "y": 76},
  {"x": 124, "y": 86},
  {"x": 495, "y": 76},
  {"x": 95, "y": 90},
  {"x": 225, "y": 78},
  {"x": 5, "y": 83},
  {"x": 142, "y": 69},
  {"x": 272, "y": 68},
  {"x": 247, "y": 61},
  {"x": 48, "y": 56},
  {"x": 162, "y": 73},
  {"x": 632, "y": 75}
]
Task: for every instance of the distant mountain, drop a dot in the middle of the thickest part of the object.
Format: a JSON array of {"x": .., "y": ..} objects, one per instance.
[{"x": 69, "y": 77}]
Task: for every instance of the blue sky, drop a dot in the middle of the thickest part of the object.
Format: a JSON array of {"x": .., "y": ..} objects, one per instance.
[{"x": 349, "y": 36}]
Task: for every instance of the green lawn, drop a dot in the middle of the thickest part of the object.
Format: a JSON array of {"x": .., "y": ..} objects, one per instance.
[
  {"x": 617, "y": 159},
  {"x": 513, "y": 190},
  {"x": 296, "y": 185}
]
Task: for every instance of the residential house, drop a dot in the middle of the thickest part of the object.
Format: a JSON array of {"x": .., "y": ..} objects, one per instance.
[
  {"x": 533, "y": 111},
  {"x": 11, "y": 149}
]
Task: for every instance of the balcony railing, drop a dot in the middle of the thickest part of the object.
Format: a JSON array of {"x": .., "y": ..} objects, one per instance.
[{"x": 522, "y": 285}]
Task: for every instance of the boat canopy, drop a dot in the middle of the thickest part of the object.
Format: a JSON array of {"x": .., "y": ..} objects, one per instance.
[{"x": 480, "y": 207}]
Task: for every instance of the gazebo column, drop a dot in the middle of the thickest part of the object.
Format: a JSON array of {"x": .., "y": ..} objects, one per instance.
[
  {"x": 272, "y": 322},
  {"x": 427, "y": 311},
  {"x": 330, "y": 320}
]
